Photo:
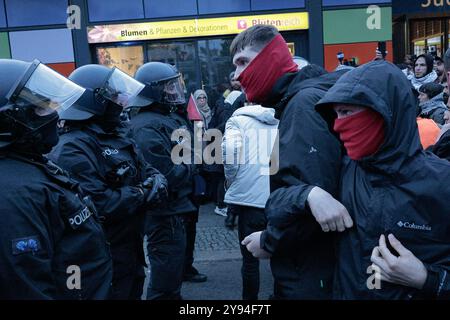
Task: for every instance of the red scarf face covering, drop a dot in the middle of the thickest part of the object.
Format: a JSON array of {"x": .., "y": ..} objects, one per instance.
[
  {"x": 265, "y": 69},
  {"x": 362, "y": 133}
]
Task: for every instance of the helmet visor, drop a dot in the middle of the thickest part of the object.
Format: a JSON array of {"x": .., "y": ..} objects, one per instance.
[
  {"x": 123, "y": 90},
  {"x": 47, "y": 90},
  {"x": 173, "y": 91}
]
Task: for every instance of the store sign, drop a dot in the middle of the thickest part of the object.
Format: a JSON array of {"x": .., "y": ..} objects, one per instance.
[
  {"x": 194, "y": 27},
  {"x": 420, "y": 6}
]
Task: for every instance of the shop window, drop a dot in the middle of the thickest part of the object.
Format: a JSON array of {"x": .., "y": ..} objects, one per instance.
[
  {"x": 448, "y": 37},
  {"x": 277, "y": 4},
  {"x": 110, "y": 10},
  {"x": 33, "y": 13},
  {"x": 126, "y": 58},
  {"x": 216, "y": 66},
  {"x": 208, "y": 6},
  {"x": 170, "y": 8},
  {"x": 2, "y": 15},
  {"x": 180, "y": 54},
  {"x": 41, "y": 44}
]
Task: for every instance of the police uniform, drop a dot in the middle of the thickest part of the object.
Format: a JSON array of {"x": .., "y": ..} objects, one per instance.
[
  {"x": 52, "y": 245},
  {"x": 110, "y": 168}
]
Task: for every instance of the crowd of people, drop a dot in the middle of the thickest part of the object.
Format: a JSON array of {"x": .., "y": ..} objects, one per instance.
[{"x": 339, "y": 178}]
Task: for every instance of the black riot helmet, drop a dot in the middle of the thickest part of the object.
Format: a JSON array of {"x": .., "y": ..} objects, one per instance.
[
  {"x": 31, "y": 95},
  {"x": 104, "y": 87},
  {"x": 163, "y": 83}
]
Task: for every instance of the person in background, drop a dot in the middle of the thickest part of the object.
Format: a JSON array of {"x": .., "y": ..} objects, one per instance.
[
  {"x": 431, "y": 102},
  {"x": 439, "y": 67},
  {"x": 423, "y": 72},
  {"x": 49, "y": 227},
  {"x": 201, "y": 99}
]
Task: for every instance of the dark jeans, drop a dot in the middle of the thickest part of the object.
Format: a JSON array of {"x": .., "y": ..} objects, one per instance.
[
  {"x": 190, "y": 226},
  {"x": 251, "y": 219},
  {"x": 166, "y": 245}
]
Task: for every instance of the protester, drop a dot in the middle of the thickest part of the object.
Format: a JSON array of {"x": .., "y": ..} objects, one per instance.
[
  {"x": 170, "y": 231},
  {"x": 246, "y": 148},
  {"x": 299, "y": 208},
  {"x": 391, "y": 188}
]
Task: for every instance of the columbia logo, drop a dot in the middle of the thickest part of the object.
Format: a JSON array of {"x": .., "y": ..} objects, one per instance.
[
  {"x": 312, "y": 150},
  {"x": 412, "y": 225}
]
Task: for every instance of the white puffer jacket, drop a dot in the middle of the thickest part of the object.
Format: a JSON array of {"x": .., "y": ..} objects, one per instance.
[{"x": 250, "y": 135}]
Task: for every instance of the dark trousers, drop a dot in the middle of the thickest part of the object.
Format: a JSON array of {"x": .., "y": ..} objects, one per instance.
[
  {"x": 215, "y": 187},
  {"x": 129, "y": 287},
  {"x": 251, "y": 219},
  {"x": 166, "y": 246},
  {"x": 190, "y": 226}
]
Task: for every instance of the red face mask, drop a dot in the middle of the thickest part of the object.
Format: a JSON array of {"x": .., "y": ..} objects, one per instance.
[
  {"x": 265, "y": 69},
  {"x": 362, "y": 133}
]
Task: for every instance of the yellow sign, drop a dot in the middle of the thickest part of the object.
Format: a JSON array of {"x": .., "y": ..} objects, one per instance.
[{"x": 194, "y": 27}]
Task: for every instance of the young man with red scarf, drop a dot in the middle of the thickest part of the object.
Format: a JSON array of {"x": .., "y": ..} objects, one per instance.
[
  {"x": 301, "y": 207},
  {"x": 395, "y": 192}
]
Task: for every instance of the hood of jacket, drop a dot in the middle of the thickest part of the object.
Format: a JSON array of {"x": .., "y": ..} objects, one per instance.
[
  {"x": 290, "y": 84},
  {"x": 381, "y": 86},
  {"x": 264, "y": 115}
]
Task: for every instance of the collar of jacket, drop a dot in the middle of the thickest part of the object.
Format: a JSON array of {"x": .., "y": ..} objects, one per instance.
[{"x": 281, "y": 93}]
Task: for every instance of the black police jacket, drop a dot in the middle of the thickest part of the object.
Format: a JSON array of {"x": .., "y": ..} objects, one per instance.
[
  {"x": 309, "y": 155},
  {"x": 51, "y": 244},
  {"x": 400, "y": 190},
  {"x": 152, "y": 130},
  {"x": 109, "y": 168}
]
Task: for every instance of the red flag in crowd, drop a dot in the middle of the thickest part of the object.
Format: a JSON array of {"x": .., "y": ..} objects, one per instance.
[{"x": 193, "y": 113}]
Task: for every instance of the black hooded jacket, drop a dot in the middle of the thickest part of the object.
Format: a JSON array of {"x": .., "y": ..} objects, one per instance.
[
  {"x": 400, "y": 190},
  {"x": 309, "y": 155}
]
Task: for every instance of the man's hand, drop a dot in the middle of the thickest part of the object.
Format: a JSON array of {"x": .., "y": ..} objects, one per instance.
[
  {"x": 405, "y": 269},
  {"x": 329, "y": 213},
  {"x": 253, "y": 245}
]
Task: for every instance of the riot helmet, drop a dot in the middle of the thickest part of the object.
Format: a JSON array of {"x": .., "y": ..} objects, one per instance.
[
  {"x": 31, "y": 95},
  {"x": 163, "y": 83},
  {"x": 106, "y": 89}
]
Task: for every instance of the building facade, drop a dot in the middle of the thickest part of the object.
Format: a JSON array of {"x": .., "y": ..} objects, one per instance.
[
  {"x": 194, "y": 35},
  {"x": 421, "y": 26}
]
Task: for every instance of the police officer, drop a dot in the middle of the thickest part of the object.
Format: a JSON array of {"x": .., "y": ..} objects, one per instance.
[
  {"x": 170, "y": 232},
  {"x": 51, "y": 243},
  {"x": 111, "y": 169}
]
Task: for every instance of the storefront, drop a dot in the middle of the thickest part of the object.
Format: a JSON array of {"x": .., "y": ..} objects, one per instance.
[
  {"x": 421, "y": 26},
  {"x": 199, "y": 48}
]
